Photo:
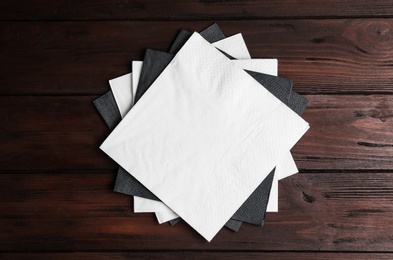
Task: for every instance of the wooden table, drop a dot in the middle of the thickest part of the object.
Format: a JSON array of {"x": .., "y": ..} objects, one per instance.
[{"x": 56, "y": 198}]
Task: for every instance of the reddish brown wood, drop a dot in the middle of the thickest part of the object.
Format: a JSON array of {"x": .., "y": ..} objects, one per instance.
[
  {"x": 347, "y": 132},
  {"x": 346, "y": 212},
  {"x": 49, "y": 133},
  {"x": 61, "y": 196},
  {"x": 320, "y": 56},
  {"x": 64, "y": 133},
  {"x": 198, "y": 255},
  {"x": 189, "y": 10},
  {"x": 56, "y": 198}
]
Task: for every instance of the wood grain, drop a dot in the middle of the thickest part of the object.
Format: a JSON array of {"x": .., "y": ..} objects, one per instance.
[
  {"x": 197, "y": 255},
  {"x": 75, "y": 195},
  {"x": 64, "y": 133},
  {"x": 48, "y": 133},
  {"x": 56, "y": 198},
  {"x": 189, "y": 10},
  {"x": 347, "y": 132},
  {"x": 348, "y": 212},
  {"x": 345, "y": 56}
]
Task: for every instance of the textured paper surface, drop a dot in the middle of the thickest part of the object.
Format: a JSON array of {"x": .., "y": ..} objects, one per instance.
[
  {"x": 158, "y": 206},
  {"x": 181, "y": 176},
  {"x": 122, "y": 91},
  {"x": 163, "y": 217},
  {"x": 237, "y": 226},
  {"x": 286, "y": 167},
  {"x": 106, "y": 106},
  {"x": 250, "y": 68},
  {"x": 155, "y": 62},
  {"x": 253, "y": 209},
  {"x": 129, "y": 185},
  {"x": 234, "y": 46},
  {"x": 155, "y": 206},
  {"x": 213, "y": 33},
  {"x": 142, "y": 205},
  {"x": 183, "y": 36},
  {"x": 282, "y": 171},
  {"x": 136, "y": 73},
  {"x": 268, "y": 67},
  {"x": 262, "y": 65}
]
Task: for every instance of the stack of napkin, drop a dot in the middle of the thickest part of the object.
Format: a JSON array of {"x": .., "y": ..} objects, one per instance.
[{"x": 203, "y": 133}]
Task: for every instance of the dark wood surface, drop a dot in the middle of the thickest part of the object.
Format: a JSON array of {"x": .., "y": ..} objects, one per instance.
[{"x": 56, "y": 198}]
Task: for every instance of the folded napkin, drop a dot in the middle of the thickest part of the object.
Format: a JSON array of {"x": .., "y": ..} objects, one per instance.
[
  {"x": 140, "y": 205},
  {"x": 154, "y": 64},
  {"x": 106, "y": 106},
  {"x": 201, "y": 139}
]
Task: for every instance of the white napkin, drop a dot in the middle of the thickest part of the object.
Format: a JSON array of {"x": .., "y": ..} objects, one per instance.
[
  {"x": 136, "y": 70},
  {"x": 285, "y": 168},
  {"x": 124, "y": 88},
  {"x": 267, "y": 66},
  {"x": 122, "y": 91},
  {"x": 189, "y": 139},
  {"x": 142, "y": 205},
  {"x": 236, "y": 47},
  {"x": 121, "y": 86}
]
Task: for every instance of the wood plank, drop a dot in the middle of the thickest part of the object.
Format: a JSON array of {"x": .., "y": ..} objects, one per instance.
[
  {"x": 48, "y": 133},
  {"x": 320, "y": 56},
  {"x": 317, "y": 212},
  {"x": 75, "y": 195},
  {"x": 197, "y": 255},
  {"x": 64, "y": 133},
  {"x": 347, "y": 132},
  {"x": 189, "y": 10}
]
